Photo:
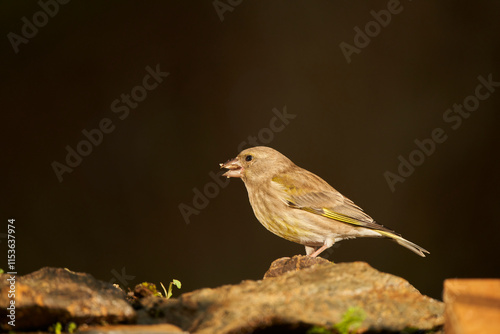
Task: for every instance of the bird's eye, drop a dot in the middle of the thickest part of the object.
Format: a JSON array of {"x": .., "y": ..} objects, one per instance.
[{"x": 248, "y": 158}]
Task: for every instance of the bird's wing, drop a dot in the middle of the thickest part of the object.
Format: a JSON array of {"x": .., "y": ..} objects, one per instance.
[{"x": 306, "y": 191}]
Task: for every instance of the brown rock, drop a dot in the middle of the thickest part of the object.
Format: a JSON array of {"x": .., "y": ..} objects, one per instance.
[
  {"x": 133, "y": 329},
  {"x": 52, "y": 295},
  {"x": 298, "y": 262},
  {"x": 319, "y": 295},
  {"x": 472, "y": 306}
]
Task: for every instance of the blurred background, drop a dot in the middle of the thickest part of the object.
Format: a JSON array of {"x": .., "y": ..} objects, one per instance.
[{"x": 240, "y": 73}]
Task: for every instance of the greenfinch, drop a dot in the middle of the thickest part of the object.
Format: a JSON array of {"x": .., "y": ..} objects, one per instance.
[{"x": 301, "y": 207}]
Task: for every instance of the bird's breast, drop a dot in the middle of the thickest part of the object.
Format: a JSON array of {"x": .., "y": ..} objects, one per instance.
[{"x": 282, "y": 220}]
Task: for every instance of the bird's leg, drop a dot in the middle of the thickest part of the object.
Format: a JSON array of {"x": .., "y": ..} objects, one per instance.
[
  {"x": 310, "y": 250},
  {"x": 319, "y": 251},
  {"x": 328, "y": 243}
]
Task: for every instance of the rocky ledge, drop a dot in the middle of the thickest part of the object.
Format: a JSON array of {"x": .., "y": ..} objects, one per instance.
[{"x": 297, "y": 294}]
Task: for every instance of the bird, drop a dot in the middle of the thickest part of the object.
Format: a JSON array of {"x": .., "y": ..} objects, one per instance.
[{"x": 299, "y": 206}]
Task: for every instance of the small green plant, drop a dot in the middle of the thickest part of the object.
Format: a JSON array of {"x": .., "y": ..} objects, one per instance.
[
  {"x": 1, "y": 271},
  {"x": 152, "y": 287},
  {"x": 318, "y": 330},
  {"x": 72, "y": 327},
  {"x": 56, "y": 328},
  {"x": 168, "y": 293},
  {"x": 351, "y": 320}
]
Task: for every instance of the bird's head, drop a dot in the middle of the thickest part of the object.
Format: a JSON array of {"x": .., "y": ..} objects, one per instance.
[{"x": 256, "y": 163}]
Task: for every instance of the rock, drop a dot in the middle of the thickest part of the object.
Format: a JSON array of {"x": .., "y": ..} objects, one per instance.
[
  {"x": 133, "y": 329},
  {"x": 52, "y": 295},
  {"x": 317, "y": 296},
  {"x": 298, "y": 262},
  {"x": 472, "y": 305}
]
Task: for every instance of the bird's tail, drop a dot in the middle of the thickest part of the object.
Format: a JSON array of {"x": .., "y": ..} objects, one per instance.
[{"x": 405, "y": 243}]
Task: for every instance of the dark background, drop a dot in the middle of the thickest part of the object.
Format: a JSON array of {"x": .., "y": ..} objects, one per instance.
[{"x": 119, "y": 209}]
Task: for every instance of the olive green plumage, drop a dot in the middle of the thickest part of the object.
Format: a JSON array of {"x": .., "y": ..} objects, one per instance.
[{"x": 299, "y": 206}]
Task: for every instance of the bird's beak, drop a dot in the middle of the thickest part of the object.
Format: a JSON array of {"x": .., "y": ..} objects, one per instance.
[{"x": 234, "y": 166}]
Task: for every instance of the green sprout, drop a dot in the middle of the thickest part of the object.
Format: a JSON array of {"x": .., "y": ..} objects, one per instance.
[
  {"x": 56, "y": 328},
  {"x": 351, "y": 321},
  {"x": 175, "y": 282},
  {"x": 152, "y": 287},
  {"x": 72, "y": 327},
  {"x": 318, "y": 330}
]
